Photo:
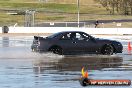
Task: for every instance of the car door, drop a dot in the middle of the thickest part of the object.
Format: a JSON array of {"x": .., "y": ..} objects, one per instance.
[
  {"x": 68, "y": 43},
  {"x": 86, "y": 43}
]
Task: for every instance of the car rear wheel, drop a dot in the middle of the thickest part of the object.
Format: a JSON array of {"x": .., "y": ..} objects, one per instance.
[
  {"x": 108, "y": 50},
  {"x": 56, "y": 50}
]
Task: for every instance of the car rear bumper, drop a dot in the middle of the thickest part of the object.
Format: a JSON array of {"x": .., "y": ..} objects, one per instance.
[{"x": 36, "y": 48}]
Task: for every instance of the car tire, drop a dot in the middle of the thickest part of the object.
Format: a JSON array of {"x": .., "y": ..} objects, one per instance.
[
  {"x": 56, "y": 50},
  {"x": 108, "y": 50}
]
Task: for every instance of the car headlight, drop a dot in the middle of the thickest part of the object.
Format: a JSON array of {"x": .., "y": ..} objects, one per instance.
[{"x": 117, "y": 43}]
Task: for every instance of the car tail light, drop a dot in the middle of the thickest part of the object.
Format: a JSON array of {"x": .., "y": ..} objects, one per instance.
[{"x": 38, "y": 43}]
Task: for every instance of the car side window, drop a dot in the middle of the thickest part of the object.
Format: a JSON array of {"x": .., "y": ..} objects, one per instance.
[
  {"x": 66, "y": 36},
  {"x": 79, "y": 36},
  {"x": 85, "y": 37},
  {"x": 73, "y": 36}
]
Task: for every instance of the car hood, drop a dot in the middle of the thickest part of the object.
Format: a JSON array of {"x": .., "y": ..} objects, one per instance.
[
  {"x": 104, "y": 40},
  {"x": 114, "y": 42}
]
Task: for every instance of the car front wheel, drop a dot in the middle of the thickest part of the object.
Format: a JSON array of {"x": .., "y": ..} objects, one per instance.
[{"x": 108, "y": 50}]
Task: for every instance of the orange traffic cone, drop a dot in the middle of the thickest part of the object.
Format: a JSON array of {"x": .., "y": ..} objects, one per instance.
[
  {"x": 129, "y": 46},
  {"x": 86, "y": 74}
]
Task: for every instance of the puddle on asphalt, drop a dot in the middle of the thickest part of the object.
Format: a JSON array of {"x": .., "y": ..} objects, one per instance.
[
  {"x": 21, "y": 68},
  {"x": 74, "y": 63}
]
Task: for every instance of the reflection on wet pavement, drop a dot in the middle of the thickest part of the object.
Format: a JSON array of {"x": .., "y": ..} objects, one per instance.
[
  {"x": 5, "y": 41},
  {"x": 74, "y": 63},
  {"x": 21, "y": 68}
]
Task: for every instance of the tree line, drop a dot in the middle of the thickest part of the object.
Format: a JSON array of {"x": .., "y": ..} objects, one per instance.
[{"x": 123, "y": 7}]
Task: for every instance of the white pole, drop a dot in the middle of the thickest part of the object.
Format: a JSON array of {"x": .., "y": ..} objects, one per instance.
[
  {"x": 33, "y": 14},
  {"x": 26, "y": 18},
  {"x": 78, "y": 8}
]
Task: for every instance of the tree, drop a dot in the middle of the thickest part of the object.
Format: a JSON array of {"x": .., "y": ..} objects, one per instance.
[{"x": 117, "y": 6}]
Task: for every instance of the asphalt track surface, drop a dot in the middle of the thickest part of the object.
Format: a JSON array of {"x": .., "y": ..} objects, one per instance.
[{"x": 21, "y": 68}]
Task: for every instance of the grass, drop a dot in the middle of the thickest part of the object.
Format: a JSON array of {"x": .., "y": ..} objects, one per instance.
[
  {"x": 68, "y": 6},
  {"x": 57, "y": 17},
  {"x": 37, "y": 6},
  {"x": 51, "y": 1},
  {"x": 10, "y": 19},
  {"x": 60, "y": 10}
]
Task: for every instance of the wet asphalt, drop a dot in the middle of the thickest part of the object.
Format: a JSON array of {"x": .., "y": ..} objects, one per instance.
[{"x": 22, "y": 68}]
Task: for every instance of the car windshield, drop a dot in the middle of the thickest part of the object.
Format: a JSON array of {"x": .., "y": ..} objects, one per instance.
[{"x": 87, "y": 36}]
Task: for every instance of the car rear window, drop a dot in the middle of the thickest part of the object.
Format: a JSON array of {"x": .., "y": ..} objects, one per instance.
[{"x": 53, "y": 35}]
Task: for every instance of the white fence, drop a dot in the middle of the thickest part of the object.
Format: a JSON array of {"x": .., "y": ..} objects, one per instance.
[{"x": 119, "y": 31}]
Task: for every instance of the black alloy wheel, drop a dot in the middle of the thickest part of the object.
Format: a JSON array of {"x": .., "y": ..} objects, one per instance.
[{"x": 108, "y": 50}]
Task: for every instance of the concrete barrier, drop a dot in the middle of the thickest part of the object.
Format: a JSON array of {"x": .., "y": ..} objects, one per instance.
[{"x": 110, "y": 31}]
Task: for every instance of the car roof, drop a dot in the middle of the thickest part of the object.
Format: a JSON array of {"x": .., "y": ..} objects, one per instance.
[
  {"x": 69, "y": 31},
  {"x": 63, "y": 32}
]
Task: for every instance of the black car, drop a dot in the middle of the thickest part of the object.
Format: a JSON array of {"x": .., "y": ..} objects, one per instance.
[{"x": 75, "y": 42}]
